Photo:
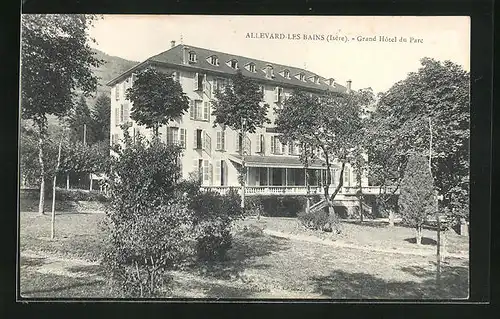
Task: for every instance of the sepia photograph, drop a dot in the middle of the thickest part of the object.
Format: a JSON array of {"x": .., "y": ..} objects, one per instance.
[{"x": 212, "y": 157}]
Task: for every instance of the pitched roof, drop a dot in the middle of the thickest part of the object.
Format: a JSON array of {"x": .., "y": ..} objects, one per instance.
[{"x": 174, "y": 57}]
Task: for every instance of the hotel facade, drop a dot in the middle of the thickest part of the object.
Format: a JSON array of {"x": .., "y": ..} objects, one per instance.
[{"x": 215, "y": 153}]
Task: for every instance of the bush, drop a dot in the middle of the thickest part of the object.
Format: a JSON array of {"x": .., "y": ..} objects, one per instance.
[
  {"x": 150, "y": 227},
  {"x": 278, "y": 206},
  {"x": 214, "y": 214},
  {"x": 76, "y": 195}
]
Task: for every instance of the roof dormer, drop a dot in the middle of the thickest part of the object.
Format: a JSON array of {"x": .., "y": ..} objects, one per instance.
[
  {"x": 269, "y": 71},
  {"x": 233, "y": 64},
  {"x": 192, "y": 57},
  {"x": 213, "y": 60},
  {"x": 331, "y": 82},
  {"x": 250, "y": 67},
  {"x": 314, "y": 79},
  {"x": 286, "y": 73},
  {"x": 301, "y": 77}
]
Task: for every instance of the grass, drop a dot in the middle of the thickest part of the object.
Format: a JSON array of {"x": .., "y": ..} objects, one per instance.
[
  {"x": 370, "y": 234},
  {"x": 258, "y": 265}
]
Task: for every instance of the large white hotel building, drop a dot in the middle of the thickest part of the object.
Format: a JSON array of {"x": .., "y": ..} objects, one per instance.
[{"x": 273, "y": 168}]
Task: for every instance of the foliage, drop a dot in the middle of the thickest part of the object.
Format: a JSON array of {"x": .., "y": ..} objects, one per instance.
[
  {"x": 56, "y": 62},
  {"x": 213, "y": 215},
  {"x": 80, "y": 158},
  {"x": 100, "y": 115},
  {"x": 241, "y": 100},
  {"x": 157, "y": 99},
  {"x": 417, "y": 199},
  {"x": 277, "y": 206},
  {"x": 149, "y": 226},
  {"x": 439, "y": 92},
  {"x": 332, "y": 124},
  {"x": 79, "y": 122}
]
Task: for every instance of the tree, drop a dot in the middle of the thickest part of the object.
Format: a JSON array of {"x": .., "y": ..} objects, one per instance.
[
  {"x": 438, "y": 91},
  {"x": 157, "y": 99},
  {"x": 241, "y": 107},
  {"x": 241, "y": 100},
  {"x": 101, "y": 118},
  {"x": 56, "y": 60},
  {"x": 79, "y": 122},
  {"x": 332, "y": 125},
  {"x": 417, "y": 199}
]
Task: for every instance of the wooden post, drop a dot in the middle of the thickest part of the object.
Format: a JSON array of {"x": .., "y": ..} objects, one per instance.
[{"x": 53, "y": 219}]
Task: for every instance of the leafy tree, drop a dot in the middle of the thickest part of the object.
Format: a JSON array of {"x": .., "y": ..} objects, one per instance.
[
  {"x": 417, "y": 199},
  {"x": 80, "y": 122},
  {"x": 56, "y": 60},
  {"x": 101, "y": 118},
  {"x": 241, "y": 107},
  {"x": 332, "y": 125},
  {"x": 240, "y": 101},
  {"x": 438, "y": 92},
  {"x": 157, "y": 99}
]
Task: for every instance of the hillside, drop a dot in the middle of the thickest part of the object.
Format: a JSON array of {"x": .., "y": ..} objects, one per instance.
[{"x": 111, "y": 68}]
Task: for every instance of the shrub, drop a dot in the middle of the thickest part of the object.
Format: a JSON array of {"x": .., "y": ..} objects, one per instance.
[
  {"x": 315, "y": 219},
  {"x": 278, "y": 206},
  {"x": 213, "y": 215},
  {"x": 150, "y": 227}
]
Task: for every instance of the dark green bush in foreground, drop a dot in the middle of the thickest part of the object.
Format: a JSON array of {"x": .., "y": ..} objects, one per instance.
[{"x": 155, "y": 222}]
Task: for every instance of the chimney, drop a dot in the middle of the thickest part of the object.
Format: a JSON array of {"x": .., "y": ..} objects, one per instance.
[
  {"x": 349, "y": 86},
  {"x": 185, "y": 55},
  {"x": 172, "y": 43}
]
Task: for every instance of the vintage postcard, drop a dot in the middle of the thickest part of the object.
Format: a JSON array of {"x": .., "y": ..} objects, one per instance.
[{"x": 244, "y": 157}]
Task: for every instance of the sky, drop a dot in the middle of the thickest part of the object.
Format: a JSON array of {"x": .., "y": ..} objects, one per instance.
[{"x": 374, "y": 64}]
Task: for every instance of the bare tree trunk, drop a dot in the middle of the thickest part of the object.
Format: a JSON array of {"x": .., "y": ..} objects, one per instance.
[
  {"x": 41, "y": 204},
  {"x": 418, "y": 235},
  {"x": 391, "y": 218}
]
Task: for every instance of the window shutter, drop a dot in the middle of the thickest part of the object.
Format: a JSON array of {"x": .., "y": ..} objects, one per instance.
[
  {"x": 169, "y": 135},
  {"x": 117, "y": 117},
  {"x": 273, "y": 145},
  {"x": 223, "y": 140},
  {"x": 196, "y": 86},
  {"x": 195, "y": 139},
  {"x": 183, "y": 137},
  {"x": 121, "y": 113},
  {"x": 199, "y": 110},
  {"x": 259, "y": 146},
  {"x": 217, "y": 174},
  {"x": 206, "y": 111},
  {"x": 206, "y": 171},
  {"x": 126, "y": 112},
  {"x": 211, "y": 174},
  {"x": 192, "y": 109},
  {"x": 218, "y": 140}
]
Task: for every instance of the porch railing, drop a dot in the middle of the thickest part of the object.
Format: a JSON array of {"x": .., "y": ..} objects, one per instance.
[{"x": 292, "y": 190}]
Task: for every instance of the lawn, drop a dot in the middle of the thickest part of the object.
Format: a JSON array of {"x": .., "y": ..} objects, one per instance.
[{"x": 259, "y": 266}]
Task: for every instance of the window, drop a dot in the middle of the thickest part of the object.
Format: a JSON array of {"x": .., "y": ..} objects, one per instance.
[
  {"x": 302, "y": 77},
  {"x": 286, "y": 74},
  {"x": 269, "y": 72},
  {"x": 198, "y": 142},
  {"x": 251, "y": 67},
  {"x": 207, "y": 172},
  {"x": 298, "y": 149},
  {"x": 198, "y": 168},
  {"x": 276, "y": 146},
  {"x": 331, "y": 82},
  {"x": 192, "y": 56},
  {"x": 221, "y": 140},
  {"x": 176, "y": 136},
  {"x": 260, "y": 143},
  {"x": 214, "y": 60},
  {"x": 206, "y": 111},
  {"x": 199, "y": 78},
  {"x": 233, "y": 64},
  {"x": 292, "y": 148},
  {"x": 283, "y": 148},
  {"x": 199, "y": 110},
  {"x": 207, "y": 143},
  {"x": 277, "y": 94}
]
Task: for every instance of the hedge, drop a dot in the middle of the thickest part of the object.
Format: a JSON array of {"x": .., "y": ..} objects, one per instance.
[
  {"x": 280, "y": 206},
  {"x": 64, "y": 195}
]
